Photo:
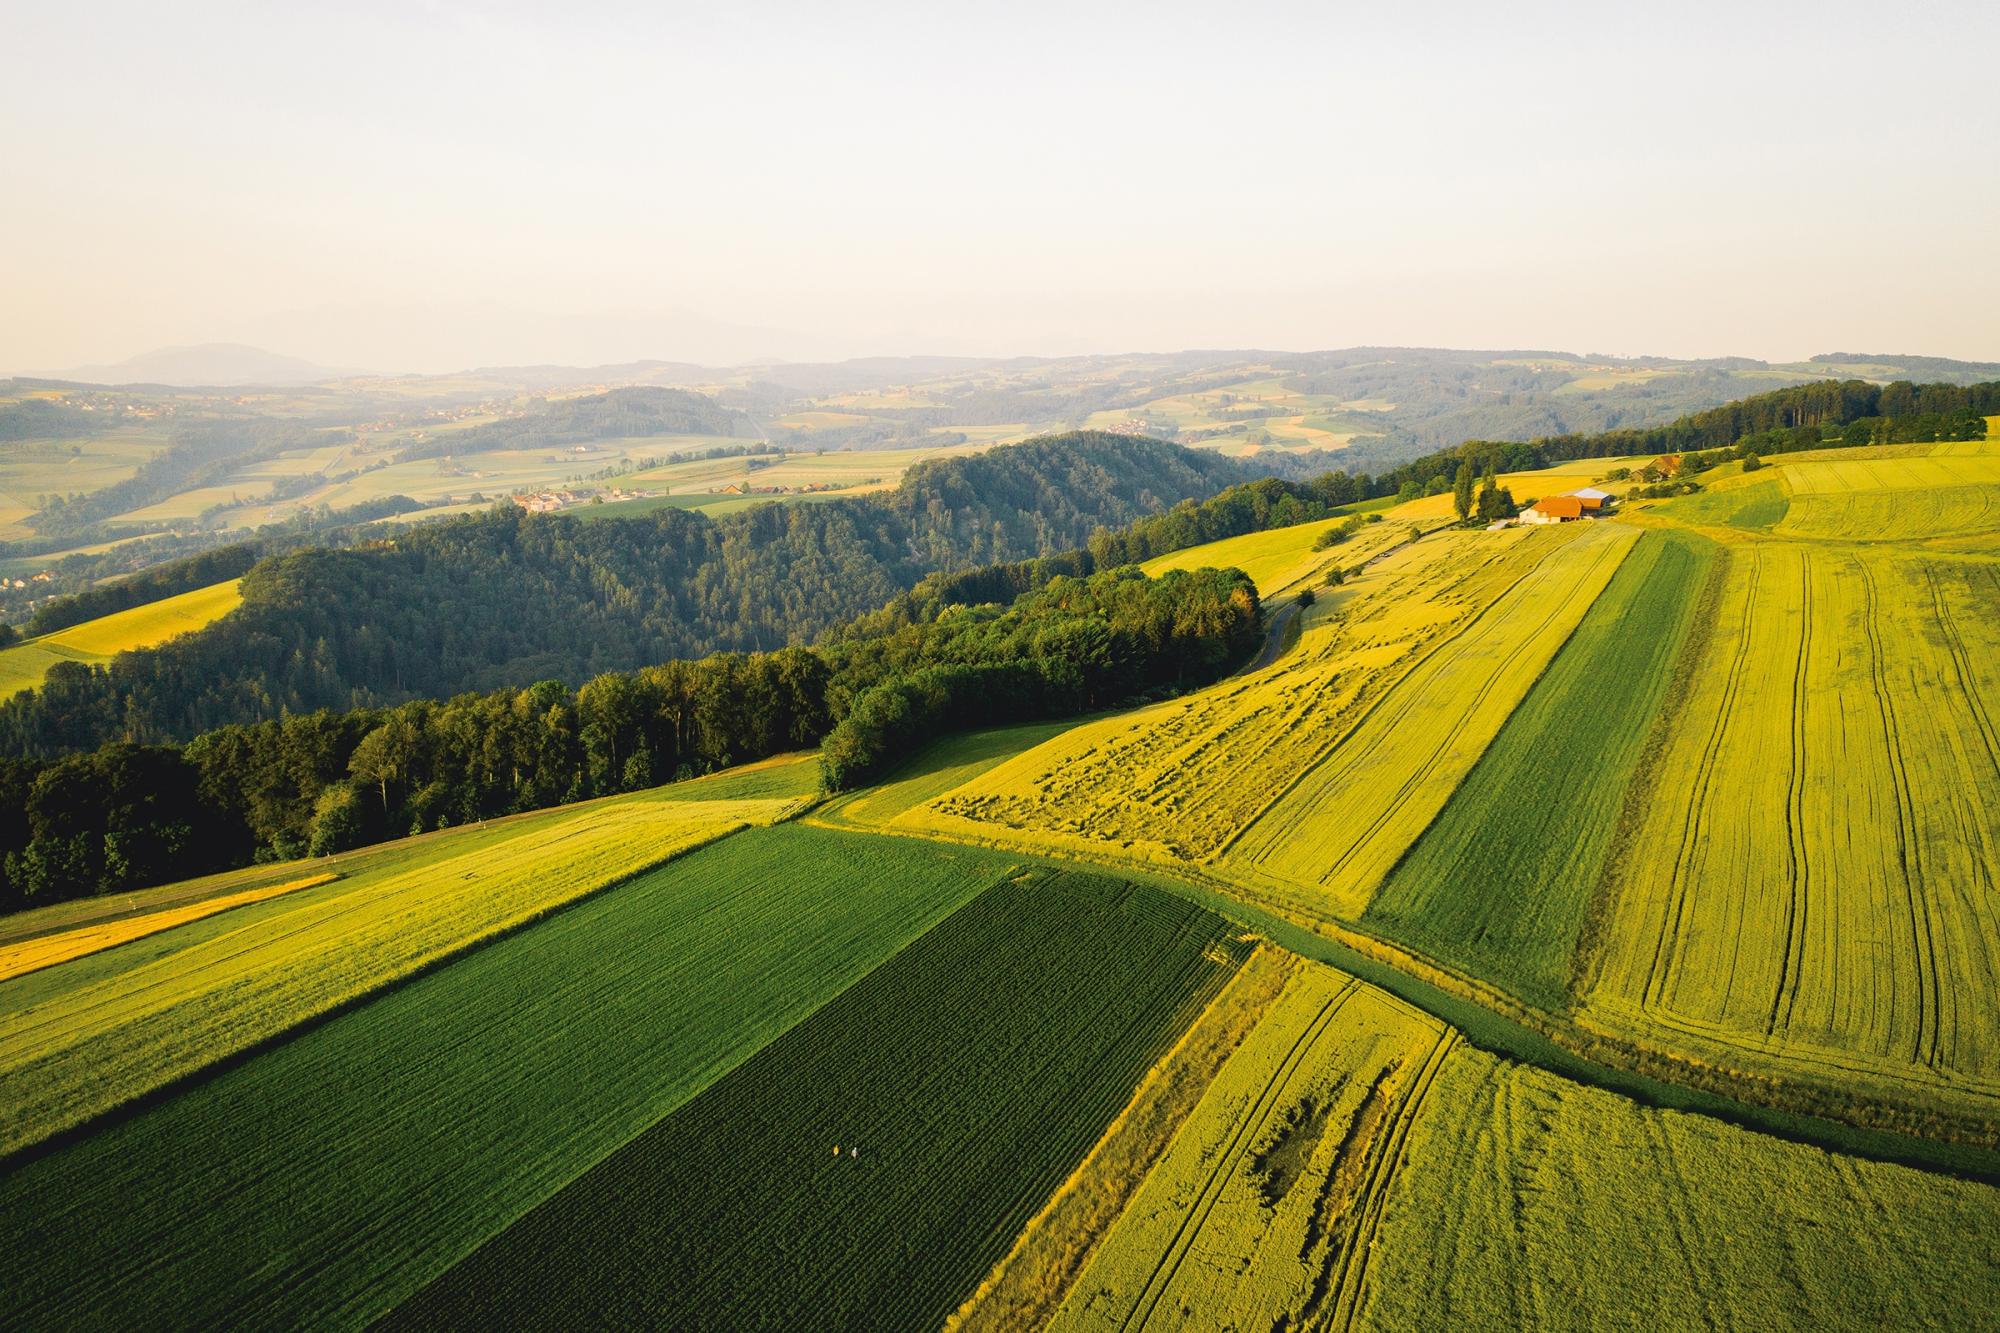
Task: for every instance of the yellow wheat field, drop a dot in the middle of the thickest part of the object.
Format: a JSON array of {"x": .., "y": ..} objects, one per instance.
[
  {"x": 48, "y": 950},
  {"x": 1265, "y": 1205},
  {"x": 1813, "y": 877}
]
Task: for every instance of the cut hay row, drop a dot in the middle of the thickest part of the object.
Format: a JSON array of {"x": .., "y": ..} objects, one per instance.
[
  {"x": 1325, "y": 844},
  {"x": 868, "y": 1168},
  {"x": 1176, "y": 781},
  {"x": 327, "y": 1178}
]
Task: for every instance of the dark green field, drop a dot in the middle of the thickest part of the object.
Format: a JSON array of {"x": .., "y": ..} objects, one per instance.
[
  {"x": 971, "y": 1073},
  {"x": 1500, "y": 882},
  {"x": 322, "y": 1181}
]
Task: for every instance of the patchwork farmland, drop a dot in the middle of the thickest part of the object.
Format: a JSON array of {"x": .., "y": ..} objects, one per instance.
[{"x": 1576, "y": 926}]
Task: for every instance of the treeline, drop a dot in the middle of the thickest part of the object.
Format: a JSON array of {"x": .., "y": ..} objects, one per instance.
[
  {"x": 128, "y": 815},
  {"x": 1252, "y": 507},
  {"x": 506, "y": 598},
  {"x": 1810, "y": 416},
  {"x": 629, "y": 413},
  {"x": 150, "y": 585}
]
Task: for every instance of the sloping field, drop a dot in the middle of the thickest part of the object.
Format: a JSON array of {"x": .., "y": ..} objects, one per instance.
[
  {"x": 1176, "y": 781},
  {"x": 24, "y": 665},
  {"x": 1281, "y": 557},
  {"x": 1500, "y": 883},
  {"x": 1325, "y": 843},
  {"x": 1813, "y": 875},
  {"x": 1528, "y": 1201},
  {"x": 1264, "y": 1206},
  {"x": 866, "y": 1169},
  {"x": 32, "y": 955},
  {"x": 323, "y": 1180},
  {"x": 79, "y": 1039}
]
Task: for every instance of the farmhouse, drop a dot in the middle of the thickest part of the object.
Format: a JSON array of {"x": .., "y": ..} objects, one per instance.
[
  {"x": 1554, "y": 509},
  {"x": 1663, "y": 466},
  {"x": 1594, "y": 500}
]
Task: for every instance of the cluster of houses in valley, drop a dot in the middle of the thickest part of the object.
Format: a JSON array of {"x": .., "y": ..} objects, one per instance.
[{"x": 548, "y": 502}]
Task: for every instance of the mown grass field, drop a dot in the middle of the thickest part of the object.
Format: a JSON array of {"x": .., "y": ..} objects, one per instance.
[
  {"x": 1262, "y": 1209},
  {"x": 88, "y": 1036},
  {"x": 1500, "y": 883},
  {"x": 328, "y": 1177},
  {"x": 1811, "y": 878},
  {"x": 866, "y": 1169},
  {"x": 1175, "y": 782},
  {"x": 25, "y": 665},
  {"x": 1528, "y": 1201}
]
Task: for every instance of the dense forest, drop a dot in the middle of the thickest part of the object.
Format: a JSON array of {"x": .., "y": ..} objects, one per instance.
[
  {"x": 128, "y": 815},
  {"x": 507, "y": 598}
]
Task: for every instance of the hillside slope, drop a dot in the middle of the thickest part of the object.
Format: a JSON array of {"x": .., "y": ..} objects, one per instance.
[{"x": 506, "y": 598}]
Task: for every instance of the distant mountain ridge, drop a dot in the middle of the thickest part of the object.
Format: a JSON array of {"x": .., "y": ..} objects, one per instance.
[{"x": 205, "y": 365}]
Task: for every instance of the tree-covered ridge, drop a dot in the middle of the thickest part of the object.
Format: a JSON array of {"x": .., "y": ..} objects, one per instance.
[
  {"x": 129, "y": 815},
  {"x": 507, "y": 598},
  {"x": 618, "y": 414}
]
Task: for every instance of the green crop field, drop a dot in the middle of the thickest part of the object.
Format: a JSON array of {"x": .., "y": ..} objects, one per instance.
[
  {"x": 1528, "y": 1201},
  {"x": 26, "y": 664},
  {"x": 1264, "y": 1204},
  {"x": 1499, "y": 884},
  {"x": 867, "y": 1169},
  {"x": 327, "y": 1178},
  {"x": 81, "y": 1039}
]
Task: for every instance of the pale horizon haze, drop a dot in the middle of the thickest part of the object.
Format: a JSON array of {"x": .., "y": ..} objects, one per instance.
[{"x": 426, "y": 187}]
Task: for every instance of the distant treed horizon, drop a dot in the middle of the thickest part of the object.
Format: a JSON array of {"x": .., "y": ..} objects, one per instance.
[{"x": 424, "y": 190}]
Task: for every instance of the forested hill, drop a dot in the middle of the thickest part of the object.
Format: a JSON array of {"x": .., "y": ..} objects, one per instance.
[
  {"x": 507, "y": 598},
  {"x": 638, "y": 411}
]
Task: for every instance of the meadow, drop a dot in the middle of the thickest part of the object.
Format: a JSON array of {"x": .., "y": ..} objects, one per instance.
[
  {"x": 1527, "y": 1201},
  {"x": 87, "y": 1037},
  {"x": 26, "y": 664},
  {"x": 1499, "y": 885},
  {"x": 869, "y": 1166},
  {"x": 328, "y": 1177},
  {"x": 1264, "y": 1204},
  {"x": 33, "y": 469}
]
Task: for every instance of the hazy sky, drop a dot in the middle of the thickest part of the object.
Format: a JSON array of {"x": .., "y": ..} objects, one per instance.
[{"x": 430, "y": 186}]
